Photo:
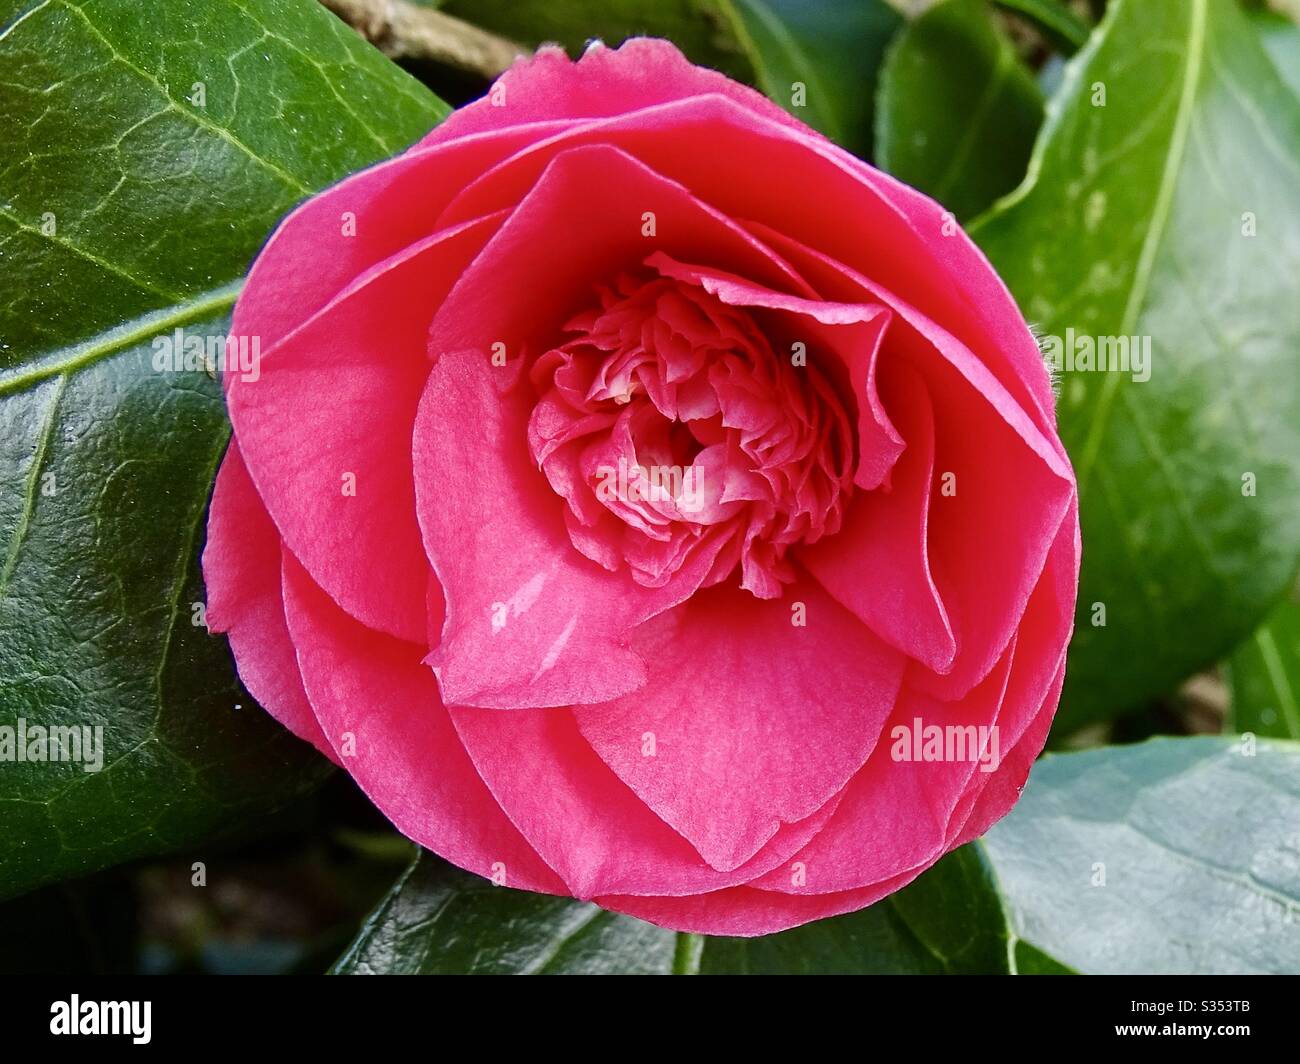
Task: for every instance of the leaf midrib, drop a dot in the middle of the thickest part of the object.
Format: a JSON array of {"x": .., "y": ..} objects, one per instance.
[
  {"x": 29, "y": 489},
  {"x": 129, "y": 333},
  {"x": 1151, "y": 242}
]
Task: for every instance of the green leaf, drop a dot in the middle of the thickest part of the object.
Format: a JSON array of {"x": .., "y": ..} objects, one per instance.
[
  {"x": 128, "y": 210},
  {"x": 438, "y": 919},
  {"x": 833, "y": 50},
  {"x": 1134, "y": 222},
  {"x": 958, "y": 109},
  {"x": 1030, "y": 960},
  {"x": 1177, "y": 855},
  {"x": 1264, "y": 676},
  {"x": 1061, "y": 25}
]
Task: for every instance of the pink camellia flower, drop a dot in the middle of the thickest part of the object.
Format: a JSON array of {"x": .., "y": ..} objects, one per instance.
[{"x": 644, "y": 500}]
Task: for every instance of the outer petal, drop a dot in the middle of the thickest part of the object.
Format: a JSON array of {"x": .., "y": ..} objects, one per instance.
[
  {"x": 641, "y": 72},
  {"x": 584, "y": 821},
  {"x": 756, "y": 721},
  {"x": 894, "y": 814},
  {"x": 747, "y": 911},
  {"x": 601, "y": 203},
  {"x": 897, "y": 815},
  {"x": 326, "y": 431},
  {"x": 997, "y": 328},
  {"x": 380, "y": 710},
  {"x": 1003, "y": 789},
  {"x": 241, "y": 568},
  {"x": 358, "y": 223},
  {"x": 991, "y": 535},
  {"x": 1048, "y": 622}
]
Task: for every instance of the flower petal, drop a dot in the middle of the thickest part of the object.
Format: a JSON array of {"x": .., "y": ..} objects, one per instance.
[
  {"x": 894, "y": 815},
  {"x": 998, "y": 510},
  {"x": 379, "y": 707},
  {"x": 529, "y": 621},
  {"x": 747, "y": 911},
  {"x": 584, "y": 821},
  {"x": 900, "y": 814},
  {"x": 356, "y": 224},
  {"x": 611, "y": 211},
  {"x": 326, "y": 432},
  {"x": 241, "y": 570},
  {"x": 640, "y": 73},
  {"x": 756, "y": 720},
  {"x": 878, "y": 566},
  {"x": 1000, "y": 791}
]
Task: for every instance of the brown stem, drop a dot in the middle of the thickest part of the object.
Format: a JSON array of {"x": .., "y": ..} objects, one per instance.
[{"x": 402, "y": 30}]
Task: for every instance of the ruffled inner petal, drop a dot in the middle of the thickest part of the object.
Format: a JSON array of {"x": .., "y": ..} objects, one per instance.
[
  {"x": 669, "y": 422},
  {"x": 529, "y": 621},
  {"x": 852, "y": 334}
]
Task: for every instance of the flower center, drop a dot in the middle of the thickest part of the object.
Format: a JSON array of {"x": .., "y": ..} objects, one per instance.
[{"x": 679, "y": 437}]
